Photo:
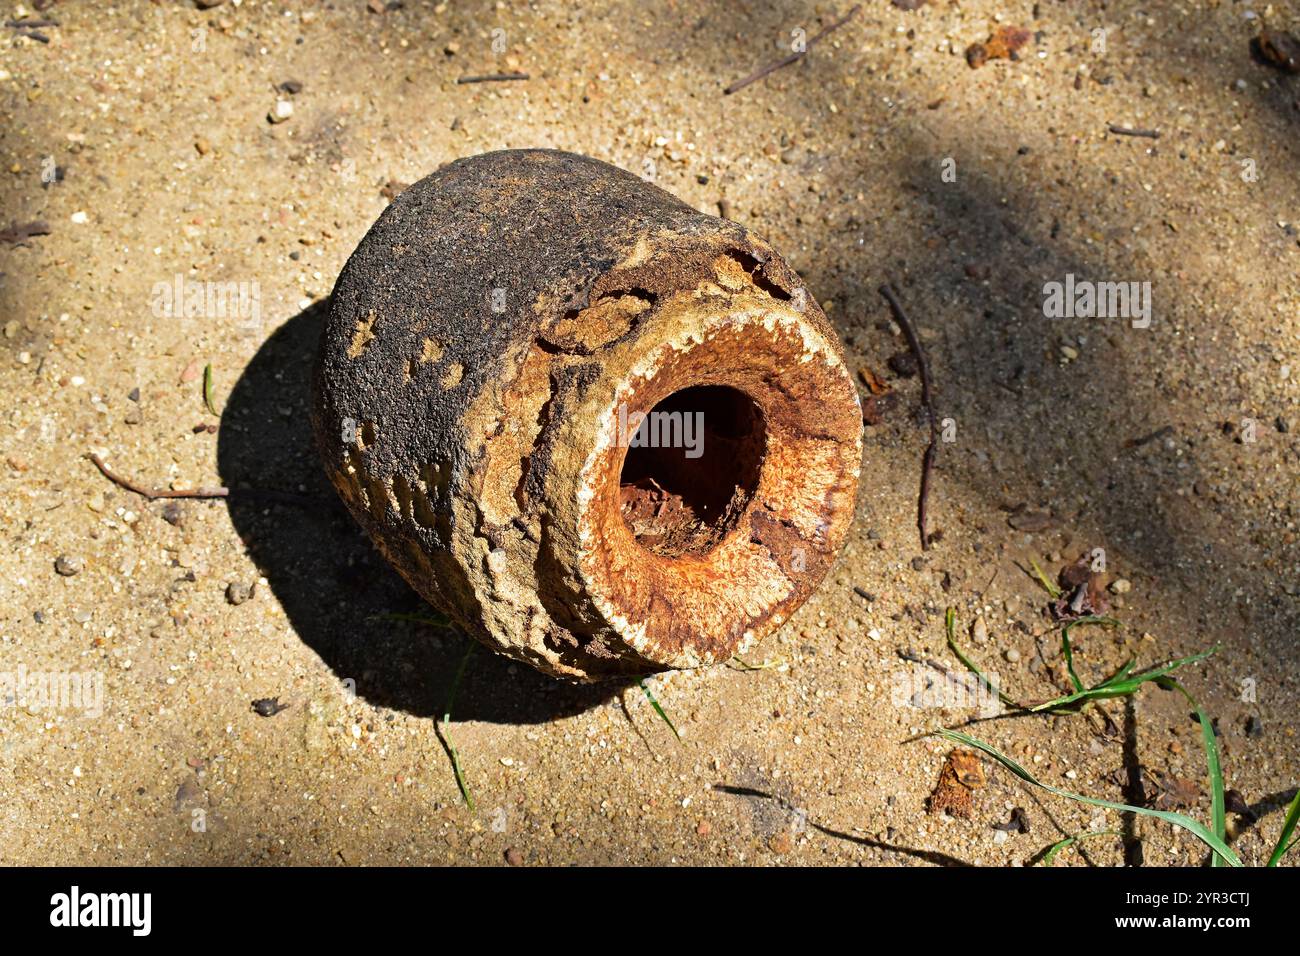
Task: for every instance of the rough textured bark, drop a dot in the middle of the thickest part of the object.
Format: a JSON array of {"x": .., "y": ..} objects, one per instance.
[{"x": 488, "y": 350}]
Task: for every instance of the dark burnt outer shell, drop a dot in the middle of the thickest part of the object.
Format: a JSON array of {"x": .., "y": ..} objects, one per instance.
[{"x": 486, "y": 346}]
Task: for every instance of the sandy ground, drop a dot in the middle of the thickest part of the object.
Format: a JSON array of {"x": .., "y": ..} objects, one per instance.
[{"x": 157, "y": 115}]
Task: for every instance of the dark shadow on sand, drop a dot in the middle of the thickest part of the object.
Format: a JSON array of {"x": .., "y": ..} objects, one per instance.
[{"x": 333, "y": 585}]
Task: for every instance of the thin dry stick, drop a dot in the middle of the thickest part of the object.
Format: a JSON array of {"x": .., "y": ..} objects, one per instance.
[
  {"x": 927, "y": 399},
  {"x": 155, "y": 493},
  {"x": 1126, "y": 131},
  {"x": 491, "y": 78},
  {"x": 793, "y": 57}
]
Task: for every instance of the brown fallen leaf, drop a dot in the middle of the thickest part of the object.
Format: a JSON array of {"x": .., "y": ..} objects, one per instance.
[
  {"x": 875, "y": 407},
  {"x": 961, "y": 776},
  {"x": 1175, "y": 793},
  {"x": 1083, "y": 591},
  {"x": 1003, "y": 44},
  {"x": 875, "y": 384}
]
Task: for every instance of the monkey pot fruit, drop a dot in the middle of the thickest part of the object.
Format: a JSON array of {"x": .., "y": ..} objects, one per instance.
[{"x": 605, "y": 433}]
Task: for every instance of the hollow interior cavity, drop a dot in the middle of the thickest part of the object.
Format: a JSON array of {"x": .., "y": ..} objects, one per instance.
[{"x": 691, "y": 467}]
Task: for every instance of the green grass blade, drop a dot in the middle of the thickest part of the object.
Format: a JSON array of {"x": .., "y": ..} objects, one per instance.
[
  {"x": 1194, "y": 827},
  {"x": 658, "y": 710},
  {"x": 1052, "y": 590},
  {"x": 1060, "y": 845},
  {"x": 1125, "y": 686},
  {"x": 207, "y": 389},
  {"x": 950, "y": 624},
  {"x": 1288, "y": 827},
  {"x": 1068, "y": 651},
  {"x": 445, "y": 737},
  {"x": 1120, "y": 674},
  {"x": 1218, "y": 811}
]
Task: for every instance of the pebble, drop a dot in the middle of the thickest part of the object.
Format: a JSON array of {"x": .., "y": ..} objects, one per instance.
[
  {"x": 68, "y": 565},
  {"x": 268, "y": 706},
  {"x": 780, "y": 843},
  {"x": 514, "y": 857},
  {"x": 237, "y": 592},
  {"x": 980, "y": 632},
  {"x": 1120, "y": 586},
  {"x": 1012, "y": 655},
  {"x": 174, "y": 513},
  {"x": 282, "y": 110}
]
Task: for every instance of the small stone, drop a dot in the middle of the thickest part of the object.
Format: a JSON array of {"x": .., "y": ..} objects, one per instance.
[
  {"x": 68, "y": 565},
  {"x": 11, "y": 328},
  {"x": 704, "y": 828},
  {"x": 133, "y": 416},
  {"x": 780, "y": 843},
  {"x": 903, "y": 364},
  {"x": 202, "y": 146},
  {"x": 237, "y": 593},
  {"x": 292, "y": 87},
  {"x": 980, "y": 632},
  {"x": 282, "y": 110},
  {"x": 452, "y": 48},
  {"x": 174, "y": 513},
  {"x": 1254, "y": 727},
  {"x": 514, "y": 857},
  {"x": 1069, "y": 353},
  {"x": 1121, "y": 586},
  {"x": 268, "y": 706},
  {"x": 1012, "y": 655}
]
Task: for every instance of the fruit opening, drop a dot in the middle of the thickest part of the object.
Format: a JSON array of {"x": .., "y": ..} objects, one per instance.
[{"x": 691, "y": 468}]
